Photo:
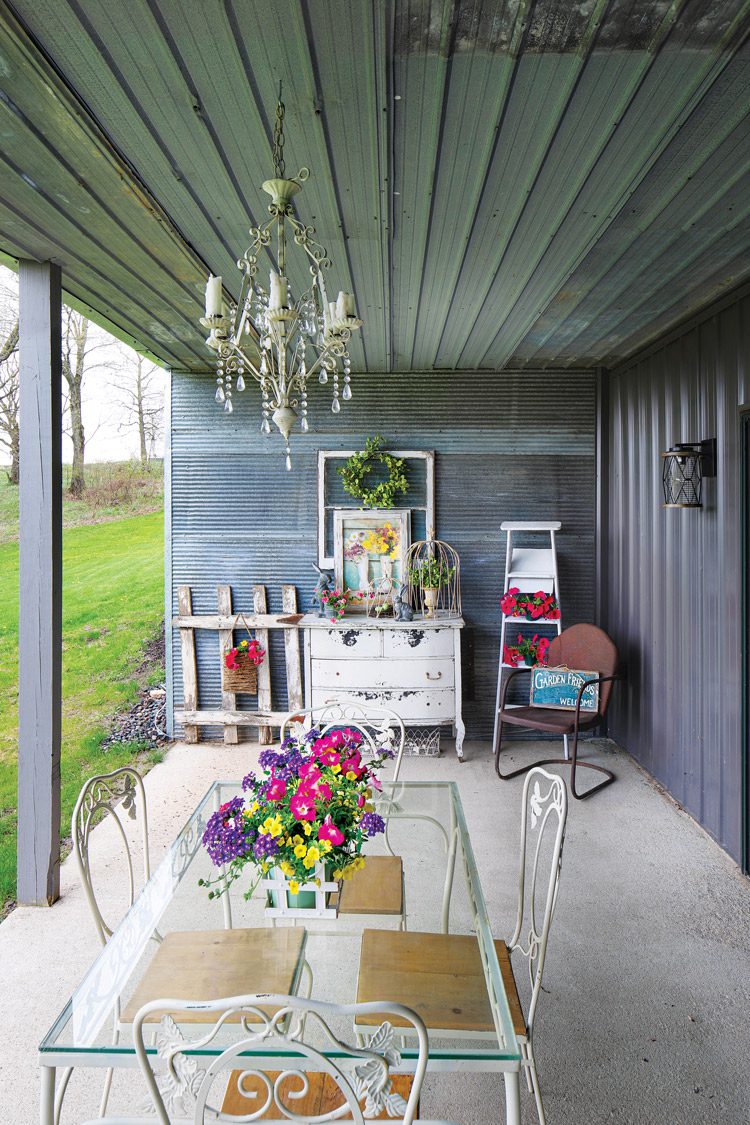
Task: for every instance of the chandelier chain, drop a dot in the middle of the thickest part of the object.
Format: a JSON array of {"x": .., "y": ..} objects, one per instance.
[{"x": 278, "y": 140}]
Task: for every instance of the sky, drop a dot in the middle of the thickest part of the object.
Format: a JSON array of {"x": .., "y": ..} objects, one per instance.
[{"x": 108, "y": 437}]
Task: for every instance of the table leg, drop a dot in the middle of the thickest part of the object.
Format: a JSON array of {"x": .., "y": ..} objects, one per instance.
[
  {"x": 512, "y": 1098},
  {"x": 458, "y": 720},
  {"x": 47, "y": 1097}
]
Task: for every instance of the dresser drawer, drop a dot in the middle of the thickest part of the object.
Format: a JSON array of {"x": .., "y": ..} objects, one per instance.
[
  {"x": 418, "y": 642},
  {"x": 393, "y": 674},
  {"x": 346, "y": 644},
  {"x": 425, "y": 706}
]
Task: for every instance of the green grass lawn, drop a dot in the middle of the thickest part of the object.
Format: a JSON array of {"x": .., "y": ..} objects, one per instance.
[{"x": 113, "y": 582}]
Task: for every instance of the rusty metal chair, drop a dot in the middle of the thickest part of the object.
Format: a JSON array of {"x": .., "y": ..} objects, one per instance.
[{"x": 583, "y": 647}]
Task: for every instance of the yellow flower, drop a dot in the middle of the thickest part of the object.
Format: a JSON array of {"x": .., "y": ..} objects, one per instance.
[
  {"x": 325, "y": 846},
  {"x": 351, "y": 775},
  {"x": 358, "y": 863},
  {"x": 254, "y": 807},
  {"x": 308, "y": 861},
  {"x": 336, "y": 769},
  {"x": 297, "y": 840},
  {"x": 294, "y": 886},
  {"x": 313, "y": 853},
  {"x": 271, "y": 826},
  {"x": 286, "y": 868},
  {"x": 307, "y": 828},
  {"x": 369, "y": 807},
  {"x": 300, "y": 850}
]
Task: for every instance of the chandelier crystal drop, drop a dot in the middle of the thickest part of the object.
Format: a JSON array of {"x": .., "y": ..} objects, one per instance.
[{"x": 279, "y": 341}]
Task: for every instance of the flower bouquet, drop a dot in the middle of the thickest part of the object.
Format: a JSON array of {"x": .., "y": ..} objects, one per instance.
[
  {"x": 303, "y": 819},
  {"x": 538, "y": 606},
  {"x": 526, "y": 650},
  {"x": 241, "y": 663},
  {"x": 334, "y": 603}
]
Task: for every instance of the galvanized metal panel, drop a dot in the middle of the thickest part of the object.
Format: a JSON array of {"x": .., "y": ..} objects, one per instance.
[
  {"x": 506, "y": 183},
  {"x": 674, "y": 585},
  {"x": 238, "y": 517}
]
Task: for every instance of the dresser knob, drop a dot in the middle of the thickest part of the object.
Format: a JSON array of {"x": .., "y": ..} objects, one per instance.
[{"x": 437, "y": 676}]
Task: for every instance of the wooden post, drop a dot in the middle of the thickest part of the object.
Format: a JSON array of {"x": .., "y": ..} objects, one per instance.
[
  {"x": 40, "y": 608},
  {"x": 189, "y": 669},
  {"x": 226, "y": 642},
  {"x": 291, "y": 652},
  {"x": 260, "y": 605}
]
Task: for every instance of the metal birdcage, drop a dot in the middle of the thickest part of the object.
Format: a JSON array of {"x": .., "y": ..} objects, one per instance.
[{"x": 433, "y": 571}]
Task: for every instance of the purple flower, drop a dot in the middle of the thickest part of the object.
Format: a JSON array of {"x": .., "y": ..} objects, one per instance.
[
  {"x": 226, "y": 836},
  {"x": 265, "y": 847},
  {"x": 248, "y": 780},
  {"x": 386, "y": 752},
  {"x": 371, "y": 823},
  {"x": 269, "y": 759},
  {"x": 312, "y": 735}
]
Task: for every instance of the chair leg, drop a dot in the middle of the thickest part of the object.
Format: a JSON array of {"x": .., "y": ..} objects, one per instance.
[
  {"x": 535, "y": 1084},
  {"x": 573, "y": 762}
]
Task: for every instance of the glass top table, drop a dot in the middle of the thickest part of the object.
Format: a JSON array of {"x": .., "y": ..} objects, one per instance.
[{"x": 426, "y": 828}]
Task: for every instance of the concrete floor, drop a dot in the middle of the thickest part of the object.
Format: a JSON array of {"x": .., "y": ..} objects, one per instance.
[{"x": 645, "y": 1019}]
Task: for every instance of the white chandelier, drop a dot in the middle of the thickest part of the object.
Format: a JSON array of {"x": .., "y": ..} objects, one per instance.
[{"x": 281, "y": 342}]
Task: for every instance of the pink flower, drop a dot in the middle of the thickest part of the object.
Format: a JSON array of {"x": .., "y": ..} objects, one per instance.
[
  {"x": 322, "y": 791},
  {"x": 329, "y": 758},
  {"x": 309, "y": 773},
  {"x": 329, "y": 831},
  {"x": 302, "y": 806},
  {"x": 375, "y": 782},
  {"x": 276, "y": 789},
  {"x": 360, "y": 800},
  {"x": 353, "y": 765}
]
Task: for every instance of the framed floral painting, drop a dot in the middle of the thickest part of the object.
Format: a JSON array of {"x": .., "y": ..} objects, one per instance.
[{"x": 369, "y": 549}]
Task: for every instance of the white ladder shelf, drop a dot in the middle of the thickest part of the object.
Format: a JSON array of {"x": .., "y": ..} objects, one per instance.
[{"x": 530, "y": 569}]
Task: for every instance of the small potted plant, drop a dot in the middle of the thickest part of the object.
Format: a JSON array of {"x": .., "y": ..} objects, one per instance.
[
  {"x": 241, "y": 663},
  {"x": 429, "y": 575},
  {"x": 526, "y": 651},
  {"x": 534, "y": 607},
  {"x": 334, "y": 603}
]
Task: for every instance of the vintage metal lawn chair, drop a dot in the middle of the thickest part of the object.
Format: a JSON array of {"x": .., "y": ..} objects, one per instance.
[
  {"x": 426, "y": 963},
  {"x": 324, "y": 1078},
  {"x": 582, "y": 647}
]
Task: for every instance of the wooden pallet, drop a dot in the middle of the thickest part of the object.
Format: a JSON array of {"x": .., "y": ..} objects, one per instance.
[{"x": 223, "y": 621}]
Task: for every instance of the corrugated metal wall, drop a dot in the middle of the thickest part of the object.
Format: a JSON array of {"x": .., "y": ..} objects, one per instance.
[
  {"x": 674, "y": 585},
  {"x": 508, "y": 446}
]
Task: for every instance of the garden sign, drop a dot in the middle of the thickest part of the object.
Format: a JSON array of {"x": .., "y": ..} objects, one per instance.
[{"x": 558, "y": 688}]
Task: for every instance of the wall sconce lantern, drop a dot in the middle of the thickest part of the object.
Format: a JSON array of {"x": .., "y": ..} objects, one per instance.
[{"x": 685, "y": 466}]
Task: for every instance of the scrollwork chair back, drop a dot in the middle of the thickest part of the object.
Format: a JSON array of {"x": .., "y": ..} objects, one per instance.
[
  {"x": 300, "y": 1031},
  {"x": 379, "y": 726},
  {"x": 543, "y": 818},
  {"x": 120, "y": 797}
]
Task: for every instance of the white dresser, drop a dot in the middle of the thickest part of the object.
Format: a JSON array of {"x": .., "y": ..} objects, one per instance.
[{"x": 412, "y": 667}]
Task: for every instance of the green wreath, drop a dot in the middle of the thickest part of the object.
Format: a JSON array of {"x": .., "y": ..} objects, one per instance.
[{"x": 354, "y": 474}]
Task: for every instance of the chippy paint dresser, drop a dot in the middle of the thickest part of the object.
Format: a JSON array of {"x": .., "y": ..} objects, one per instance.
[{"x": 414, "y": 667}]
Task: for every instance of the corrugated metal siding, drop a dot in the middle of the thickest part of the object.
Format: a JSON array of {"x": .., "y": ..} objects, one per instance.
[
  {"x": 508, "y": 446},
  {"x": 520, "y": 183},
  {"x": 674, "y": 587}
]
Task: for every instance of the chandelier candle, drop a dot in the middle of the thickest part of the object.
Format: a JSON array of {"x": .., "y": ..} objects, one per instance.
[{"x": 278, "y": 339}]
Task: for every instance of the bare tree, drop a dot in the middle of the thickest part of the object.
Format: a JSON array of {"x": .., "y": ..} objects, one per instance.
[
  {"x": 74, "y": 336},
  {"x": 9, "y": 380},
  {"x": 141, "y": 400}
]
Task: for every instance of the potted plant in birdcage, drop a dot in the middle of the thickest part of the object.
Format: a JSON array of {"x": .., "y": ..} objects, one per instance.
[
  {"x": 241, "y": 663},
  {"x": 526, "y": 650},
  {"x": 302, "y": 822},
  {"x": 429, "y": 575}
]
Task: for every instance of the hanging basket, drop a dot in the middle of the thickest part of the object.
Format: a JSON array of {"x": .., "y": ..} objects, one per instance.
[{"x": 242, "y": 678}]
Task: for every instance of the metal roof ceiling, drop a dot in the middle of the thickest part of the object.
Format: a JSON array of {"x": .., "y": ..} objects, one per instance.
[{"x": 501, "y": 182}]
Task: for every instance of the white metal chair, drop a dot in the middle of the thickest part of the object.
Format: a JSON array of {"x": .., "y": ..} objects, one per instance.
[
  {"x": 120, "y": 797},
  {"x": 379, "y": 887},
  {"x": 426, "y": 962},
  {"x": 311, "y": 1087},
  {"x": 543, "y": 817}
]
